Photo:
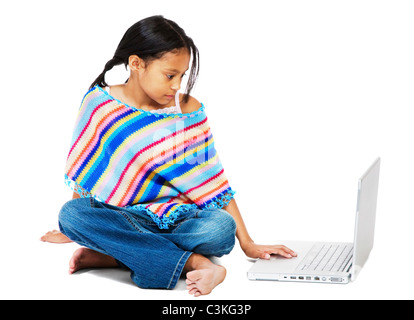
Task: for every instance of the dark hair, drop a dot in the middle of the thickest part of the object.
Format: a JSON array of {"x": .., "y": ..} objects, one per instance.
[{"x": 150, "y": 39}]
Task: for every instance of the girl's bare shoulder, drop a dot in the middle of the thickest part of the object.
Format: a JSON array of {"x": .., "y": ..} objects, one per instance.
[{"x": 190, "y": 106}]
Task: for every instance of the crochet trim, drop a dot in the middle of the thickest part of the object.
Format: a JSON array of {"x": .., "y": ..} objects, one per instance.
[
  {"x": 221, "y": 200},
  {"x": 161, "y": 114},
  {"x": 83, "y": 193},
  {"x": 165, "y": 222}
]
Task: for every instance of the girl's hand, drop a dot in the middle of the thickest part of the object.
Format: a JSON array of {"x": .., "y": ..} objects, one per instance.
[{"x": 253, "y": 250}]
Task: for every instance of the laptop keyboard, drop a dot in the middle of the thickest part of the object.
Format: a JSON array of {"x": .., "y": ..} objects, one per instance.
[{"x": 327, "y": 257}]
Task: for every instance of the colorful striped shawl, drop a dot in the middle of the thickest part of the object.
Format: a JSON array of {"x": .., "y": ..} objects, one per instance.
[{"x": 161, "y": 163}]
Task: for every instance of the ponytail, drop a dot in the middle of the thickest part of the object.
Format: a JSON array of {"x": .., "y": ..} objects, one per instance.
[{"x": 100, "y": 80}]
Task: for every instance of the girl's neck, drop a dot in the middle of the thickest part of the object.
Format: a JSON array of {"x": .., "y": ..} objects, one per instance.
[{"x": 132, "y": 94}]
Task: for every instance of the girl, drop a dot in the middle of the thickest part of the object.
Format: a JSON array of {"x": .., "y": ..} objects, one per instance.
[{"x": 150, "y": 193}]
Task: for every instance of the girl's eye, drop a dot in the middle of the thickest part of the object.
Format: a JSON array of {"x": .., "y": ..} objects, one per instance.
[{"x": 169, "y": 76}]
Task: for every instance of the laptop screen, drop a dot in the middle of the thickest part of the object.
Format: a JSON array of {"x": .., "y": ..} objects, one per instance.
[{"x": 365, "y": 217}]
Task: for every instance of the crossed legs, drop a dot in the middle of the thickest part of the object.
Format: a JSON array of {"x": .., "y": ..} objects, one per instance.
[{"x": 112, "y": 236}]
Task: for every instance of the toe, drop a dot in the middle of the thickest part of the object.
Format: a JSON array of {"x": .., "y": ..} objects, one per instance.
[{"x": 194, "y": 276}]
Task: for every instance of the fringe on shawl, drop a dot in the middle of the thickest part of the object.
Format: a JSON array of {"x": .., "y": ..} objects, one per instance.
[{"x": 163, "y": 222}]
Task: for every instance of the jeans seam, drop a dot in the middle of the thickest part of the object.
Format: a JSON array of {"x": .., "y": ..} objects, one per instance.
[
  {"x": 130, "y": 221},
  {"x": 178, "y": 224},
  {"x": 197, "y": 212},
  {"x": 145, "y": 222},
  {"x": 180, "y": 265}
]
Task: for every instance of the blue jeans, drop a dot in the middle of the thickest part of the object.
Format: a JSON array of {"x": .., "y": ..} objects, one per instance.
[{"x": 155, "y": 257}]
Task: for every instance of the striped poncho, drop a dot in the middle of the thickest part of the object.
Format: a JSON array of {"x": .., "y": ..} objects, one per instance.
[{"x": 164, "y": 164}]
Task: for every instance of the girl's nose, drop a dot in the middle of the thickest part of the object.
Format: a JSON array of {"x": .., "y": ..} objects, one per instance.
[{"x": 176, "y": 85}]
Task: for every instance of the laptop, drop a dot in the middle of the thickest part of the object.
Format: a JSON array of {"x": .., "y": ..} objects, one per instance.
[{"x": 329, "y": 262}]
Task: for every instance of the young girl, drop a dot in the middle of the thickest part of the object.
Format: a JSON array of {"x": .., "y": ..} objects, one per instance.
[{"x": 150, "y": 193}]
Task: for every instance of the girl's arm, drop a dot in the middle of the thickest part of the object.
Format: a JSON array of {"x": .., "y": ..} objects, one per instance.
[{"x": 251, "y": 249}]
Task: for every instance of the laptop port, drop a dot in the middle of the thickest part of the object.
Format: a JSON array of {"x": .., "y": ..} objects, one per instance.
[
  {"x": 316, "y": 279},
  {"x": 292, "y": 277},
  {"x": 336, "y": 279},
  {"x": 301, "y": 278}
]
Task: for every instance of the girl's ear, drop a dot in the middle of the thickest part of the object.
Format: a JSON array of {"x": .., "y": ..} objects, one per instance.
[{"x": 135, "y": 63}]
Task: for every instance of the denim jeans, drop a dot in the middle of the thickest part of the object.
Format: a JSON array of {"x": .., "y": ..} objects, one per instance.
[{"x": 155, "y": 257}]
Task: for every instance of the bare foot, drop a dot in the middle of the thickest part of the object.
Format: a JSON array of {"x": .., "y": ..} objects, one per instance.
[
  {"x": 205, "y": 277},
  {"x": 87, "y": 258},
  {"x": 55, "y": 236}
]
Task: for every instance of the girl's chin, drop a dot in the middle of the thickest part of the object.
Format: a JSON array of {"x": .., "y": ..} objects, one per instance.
[
  {"x": 163, "y": 101},
  {"x": 168, "y": 98}
]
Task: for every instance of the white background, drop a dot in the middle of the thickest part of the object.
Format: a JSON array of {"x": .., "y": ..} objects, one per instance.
[{"x": 302, "y": 96}]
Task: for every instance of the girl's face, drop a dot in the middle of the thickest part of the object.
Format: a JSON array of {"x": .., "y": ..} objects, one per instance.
[{"x": 161, "y": 79}]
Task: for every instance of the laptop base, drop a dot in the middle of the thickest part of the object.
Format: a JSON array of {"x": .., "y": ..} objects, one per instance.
[{"x": 290, "y": 270}]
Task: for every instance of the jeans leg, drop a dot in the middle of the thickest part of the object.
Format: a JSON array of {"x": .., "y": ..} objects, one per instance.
[
  {"x": 155, "y": 262},
  {"x": 209, "y": 232}
]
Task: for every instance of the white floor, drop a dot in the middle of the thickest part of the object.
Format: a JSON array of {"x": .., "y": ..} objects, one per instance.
[{"x": 39, "y": 271}]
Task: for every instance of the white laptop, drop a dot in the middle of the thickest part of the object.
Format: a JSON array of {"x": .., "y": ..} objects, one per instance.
[{"x": 324, "y": 262}]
